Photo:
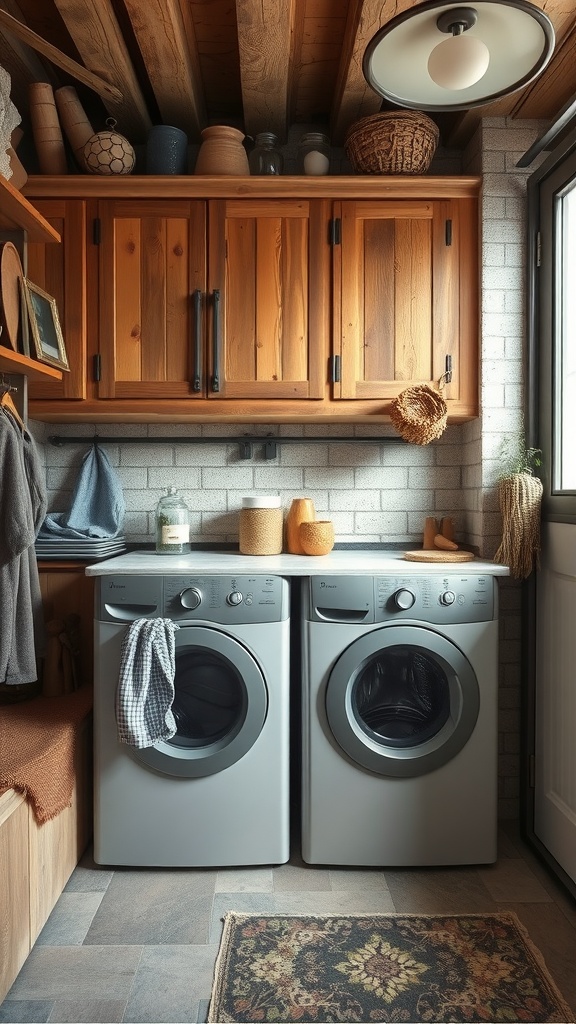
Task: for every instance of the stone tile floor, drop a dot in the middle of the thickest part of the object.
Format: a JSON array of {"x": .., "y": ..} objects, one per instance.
[{"x": 138, "y": 945}]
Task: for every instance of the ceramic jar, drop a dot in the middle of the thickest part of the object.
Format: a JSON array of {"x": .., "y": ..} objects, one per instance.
[
  {"x": 317, "y": 538},
  {"x": 301, "y": 510},
  {"x": 166, "y": 150},
  {"x": 261, "y": 525},
  {"x": 222, "y": 152}
]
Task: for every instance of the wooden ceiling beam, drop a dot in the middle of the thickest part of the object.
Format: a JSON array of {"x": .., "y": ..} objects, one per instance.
[
  {"x": 353, "y": 97},
  {"x": 171, "y": 61},
  {"x": 94, "y": 28},
  {"x": 265, "y": 44}
]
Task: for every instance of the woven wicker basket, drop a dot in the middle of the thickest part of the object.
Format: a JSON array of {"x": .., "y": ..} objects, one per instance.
[
  {"x": 419, "y": 414},
  {"x": 393, "y": 142}
]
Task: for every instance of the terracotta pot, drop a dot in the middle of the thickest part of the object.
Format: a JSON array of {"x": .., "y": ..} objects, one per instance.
[
  {"x": 301, "y": 510},
  {"x": 317, "y": 538},
  {"x": 222, "y": 152}
]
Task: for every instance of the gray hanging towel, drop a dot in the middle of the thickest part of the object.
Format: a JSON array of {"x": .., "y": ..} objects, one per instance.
[
  {"x": 97, "y": 505},
  {"x": 145, "y": 690}
]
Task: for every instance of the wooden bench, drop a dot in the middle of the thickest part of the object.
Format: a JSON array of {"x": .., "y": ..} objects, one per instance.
[{"x": 37, "y": 860}]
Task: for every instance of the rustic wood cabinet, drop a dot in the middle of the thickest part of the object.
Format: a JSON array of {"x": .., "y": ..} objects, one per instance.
[
  {"x": 257, "y": 299},
  {"x": 405, "y": 299},
  {"x": 217, "y": 300}
]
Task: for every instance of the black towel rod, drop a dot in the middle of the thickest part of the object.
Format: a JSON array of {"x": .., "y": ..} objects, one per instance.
[{"x": 244, "y": 441}]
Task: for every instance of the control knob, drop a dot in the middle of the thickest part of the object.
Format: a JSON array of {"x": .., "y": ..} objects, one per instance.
[
  {"x": 234, "y": 598},
  {"x": 404, "y": 599},
  {"x": 447, "y": 598},
  {"x": 190, "y": 598}
]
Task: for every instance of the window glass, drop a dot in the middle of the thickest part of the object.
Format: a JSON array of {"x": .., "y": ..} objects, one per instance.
[{"x": 565, "y": 376}]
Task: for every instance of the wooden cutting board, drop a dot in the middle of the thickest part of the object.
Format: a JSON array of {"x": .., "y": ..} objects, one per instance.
[
  {"x": 11, "y": 274},
  {"x": 439, "y": 556}
]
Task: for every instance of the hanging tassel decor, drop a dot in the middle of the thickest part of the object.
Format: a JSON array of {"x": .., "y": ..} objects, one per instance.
[{"x": 520, "y": 496}]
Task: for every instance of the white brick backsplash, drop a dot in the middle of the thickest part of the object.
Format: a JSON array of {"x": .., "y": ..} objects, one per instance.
[
  {"x": 343, "y": 522},
  {"x": 450, "y": 455},
  {"x": 355, "y": 500},
  {"x": 139, "y": 501},
  {"x": 223, "y": 523},
  {"x": 446, "y": 501},
  {"x": 147, "y": 455},
  {"x": 515, "y": 255},
  {"x": 514, "y": 395},
  {"x": 207, "y": 500},
  {"x": 492, "y": 395},
  {"x": 183, "y": 479},
  {"x": 492, "y": 347},
  {"x": 304, "y": 455},
  {"x": 380, "y": 476},
  {"x": 408, "y": 500},
  {"x": 409, "y": 455},
  {"x": 494, "y": 254},
  {"x": 201, "y": 455},
  {"x": 331, "y": 479},
  {"x": 433, "y": 477},
  {"x": 502, "y": 371},
  {"x": 493, "y": 208},
  {"x": 174, "y": 430},
  {"x": 514, "y": 301},
  {"x": 381, "y": 523},
  {"x": 500, "y": 277},
  {"x": 355, "y": 454},
  {"x": 229, "y": 477},
  {"x": 494, "y": 161},
  {"x": 493, "y": 301},
  {"x": 504, "y": 325},
  {"x": 133, "y": 477},
  {"x": 274, "y": 477}
]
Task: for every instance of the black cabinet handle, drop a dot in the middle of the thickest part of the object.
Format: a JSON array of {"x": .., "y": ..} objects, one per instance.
[
  {"x": 215, "y": 383},
  {"x": 197, "y": 342}
]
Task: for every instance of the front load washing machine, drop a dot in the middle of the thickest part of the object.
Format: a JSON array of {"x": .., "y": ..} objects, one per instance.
[
  {"x": 399, "y": 748},
  {"x": 217, "y": 792}
]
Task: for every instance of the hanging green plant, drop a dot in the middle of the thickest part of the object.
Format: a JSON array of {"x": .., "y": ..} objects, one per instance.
[{"x": 520, "y": 497}]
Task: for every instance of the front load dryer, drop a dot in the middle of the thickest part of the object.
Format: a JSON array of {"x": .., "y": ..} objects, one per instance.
[
  {"x": 216, "y": 794},
  {"x": 399, "y": 747}
]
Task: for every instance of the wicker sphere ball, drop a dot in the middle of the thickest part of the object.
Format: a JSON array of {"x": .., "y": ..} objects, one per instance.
[{"x": 108, "y": 153}]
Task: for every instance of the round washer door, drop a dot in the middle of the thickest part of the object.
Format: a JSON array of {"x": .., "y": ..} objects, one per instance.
[
  {"x": 402, "y": 700},
  {"x": 220, "y": 706}
]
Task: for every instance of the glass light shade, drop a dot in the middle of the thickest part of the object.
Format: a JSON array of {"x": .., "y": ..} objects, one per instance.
[
  {"x": 518, "y": 35},
  {"x": 458, "y": 62}
]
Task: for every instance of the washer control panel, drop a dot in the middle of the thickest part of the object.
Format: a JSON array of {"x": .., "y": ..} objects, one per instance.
[
  {"x": 442, "y": 599},
  {"x": 432, "y": 598},
  {"x": 226, "y": 599}
]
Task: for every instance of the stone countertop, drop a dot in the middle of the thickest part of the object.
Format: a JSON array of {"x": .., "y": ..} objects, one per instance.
[{"x": 338, "y": 562}]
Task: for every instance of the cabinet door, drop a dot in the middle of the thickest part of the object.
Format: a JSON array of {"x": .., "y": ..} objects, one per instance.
[
  {"x": 60, "y": 270},
  {"x": 268, "y": 298},
  {"x": 406, "y": 298},
  {"x": 152, "y": 262}
]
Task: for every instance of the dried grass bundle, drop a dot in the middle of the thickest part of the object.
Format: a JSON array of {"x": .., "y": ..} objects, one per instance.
[
  {"x": 419, "y": 414},
  {"x": 520, "y": 499}
]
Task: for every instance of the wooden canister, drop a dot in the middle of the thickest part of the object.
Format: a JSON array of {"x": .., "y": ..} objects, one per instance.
[
  {"x": 301, "y": 510},
  {"x": 222, "y": 151},
  {"x": 74, "y": 121},
  {"x": 46, "y": 129},
  {"x": 261, "y": 526}
]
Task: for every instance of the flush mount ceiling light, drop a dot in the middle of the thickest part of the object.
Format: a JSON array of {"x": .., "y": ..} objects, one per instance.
[{"x": 439, "y": 56}]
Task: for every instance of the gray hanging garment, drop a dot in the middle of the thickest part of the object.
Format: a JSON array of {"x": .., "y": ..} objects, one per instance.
[{"x": 97, "y": 505}]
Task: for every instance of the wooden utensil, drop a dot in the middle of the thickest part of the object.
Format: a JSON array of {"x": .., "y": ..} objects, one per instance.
[{"x": 11, "y": 273}]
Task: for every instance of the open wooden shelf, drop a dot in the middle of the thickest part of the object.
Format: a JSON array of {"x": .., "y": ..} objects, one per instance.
[
  {"x": 17, "y": 214},
  {"x": 13, "y": 362}
]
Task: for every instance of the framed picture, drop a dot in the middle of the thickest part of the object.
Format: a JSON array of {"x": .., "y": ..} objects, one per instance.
[{"x": 48, "y": 343}]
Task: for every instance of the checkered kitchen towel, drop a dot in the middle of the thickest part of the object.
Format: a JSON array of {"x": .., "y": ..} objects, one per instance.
[{"x": 145, "y": 690}]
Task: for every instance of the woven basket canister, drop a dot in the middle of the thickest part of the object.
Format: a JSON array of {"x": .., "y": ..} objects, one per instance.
[
  {"x": 419, "y": 414},
  {"x": 393, "y": 142}
]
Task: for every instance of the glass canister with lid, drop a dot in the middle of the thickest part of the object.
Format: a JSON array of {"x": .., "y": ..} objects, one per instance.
[
  {"x": 172, "y": 524},
  {"x": 314, "y": 153},
  {"x": 261, "y": 525},
  {"x": 266, "y": 157}
]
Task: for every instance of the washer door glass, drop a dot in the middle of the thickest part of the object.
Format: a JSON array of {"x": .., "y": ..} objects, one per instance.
[
  {"x": 402, "y": 700},
  {"x": 220, "y": 705}
]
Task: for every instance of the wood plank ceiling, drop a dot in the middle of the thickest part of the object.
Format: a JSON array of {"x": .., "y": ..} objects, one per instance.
[{"x": 261, "y": 65}]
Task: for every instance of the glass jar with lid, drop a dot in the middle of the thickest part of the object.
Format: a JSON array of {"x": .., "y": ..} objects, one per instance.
[
  {"x": 266, "y": 157},
  {"x": 314, "y": 153},
  {"x": 172, "y": 524}
]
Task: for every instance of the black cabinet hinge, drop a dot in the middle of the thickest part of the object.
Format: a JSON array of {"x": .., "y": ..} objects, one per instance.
[
  {"x": 448, "y": 370},
  {"x": 97, "y": 367},
  {"x": 335, "y": 231},
  {"x": 335, "y": 370},
  {"x": 449, "y": 232},
  {"x": 96, "y": 230}
]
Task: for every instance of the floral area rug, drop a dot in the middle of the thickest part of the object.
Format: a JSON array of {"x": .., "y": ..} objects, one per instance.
[{"x": 386, "y": 967}]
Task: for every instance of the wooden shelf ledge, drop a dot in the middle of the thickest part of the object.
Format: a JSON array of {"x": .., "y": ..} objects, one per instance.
[
  {"x": 14, "y": 362},
  {"x": 17, "y": 214}
]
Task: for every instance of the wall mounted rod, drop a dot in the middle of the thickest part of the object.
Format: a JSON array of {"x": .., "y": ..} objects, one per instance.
[{"x": 244, "y": 441}]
